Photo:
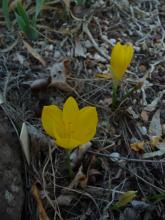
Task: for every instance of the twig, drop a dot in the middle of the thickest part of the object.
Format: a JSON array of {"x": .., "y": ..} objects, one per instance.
[
  {"x": 126, "y": 159},
  {"x": 88, "y": 33}
]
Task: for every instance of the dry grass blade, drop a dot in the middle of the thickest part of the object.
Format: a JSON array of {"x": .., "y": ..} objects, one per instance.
[
  {"x": 34, "y": 53},
  {"x": 10, "y": 47},
  {"x": 41, "y": 210}
]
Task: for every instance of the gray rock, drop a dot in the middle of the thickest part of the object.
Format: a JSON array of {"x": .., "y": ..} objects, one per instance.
[{"x": 11, "y": 166}]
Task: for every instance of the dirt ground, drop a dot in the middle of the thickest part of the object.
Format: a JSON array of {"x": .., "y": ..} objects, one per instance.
[{"x": 71, "y": 58}]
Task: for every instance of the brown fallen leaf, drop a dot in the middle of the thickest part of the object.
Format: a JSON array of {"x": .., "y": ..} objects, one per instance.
[
  {"x": 79, "y": 180},
  {"x": 41, "y": 210},
  {"x": 154, "y": 141},
  {"x": 58, "y": 74},
  {"x": 144, "y": 116},
  {"x": 137, "y": 146},
  {"x": 78, "y": 154},
  {"x": 34, "y": 53},
  {"x": 65, "y": 199}
]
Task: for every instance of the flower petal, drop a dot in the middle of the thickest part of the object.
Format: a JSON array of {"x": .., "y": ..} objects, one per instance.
[
  {"x": 121, "y": 57},
  {"x": 67, "y": 143},
  {"x": 70, "y": 111},
  {"x": 86, "y": 125},
  {"x": 52, "y": 120}
]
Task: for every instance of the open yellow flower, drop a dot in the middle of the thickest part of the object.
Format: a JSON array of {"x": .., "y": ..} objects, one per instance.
[
  {"x": 121, "y": 57},
  {"x": 72, "y": 126}
]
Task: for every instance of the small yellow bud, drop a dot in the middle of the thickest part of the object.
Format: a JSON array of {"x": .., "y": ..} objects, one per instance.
[{"x": 121, "y": 57}]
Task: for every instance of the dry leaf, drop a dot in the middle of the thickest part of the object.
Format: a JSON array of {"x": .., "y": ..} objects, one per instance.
[
  {"x": 144, "y": 116},
  {"x": 79, "y": 180},
  {"x": 64, "y": 200},
  {"x": 104, "y": 76},
  {"x": 137, "y": 146},
  {"x": 41, "y": 210},
  {"x": 159, "y": 145},
  {"x": 78, "y": 154},
  {"x": 155, "y": 128},
  {"x": 153, "y": 154},
  {"x": 154, "y": 141},
  {"x": 24, "y": 138},
  {"x": 82, "y": 150},
  {"x": 34, "y": 53},
  {"x": 152, "y": 106},
  {"x": 58, "y": 74},
  {"x": 79, "y": 49}
]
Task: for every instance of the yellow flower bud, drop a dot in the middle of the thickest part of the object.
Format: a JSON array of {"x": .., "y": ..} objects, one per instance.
[{"x": 121, "y": 57}]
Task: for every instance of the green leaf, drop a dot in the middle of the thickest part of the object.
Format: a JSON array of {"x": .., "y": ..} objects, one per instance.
[
  {"x": 80, "y": 2},
  {"x": 22, "y": 13},
  {"x": 157, "y": 197},
  {"x": 21, "y": 23},
  {"x": 125, "y": 199},
  {"x": 5, "y": 9},
  {"x": 39, "y": 5},
  {"x": 25, "y": 24}
]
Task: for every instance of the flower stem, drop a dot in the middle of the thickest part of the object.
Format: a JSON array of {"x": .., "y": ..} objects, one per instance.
[
  {"x": 114, "y": 94},
  {"x": 68, "y": 163}
]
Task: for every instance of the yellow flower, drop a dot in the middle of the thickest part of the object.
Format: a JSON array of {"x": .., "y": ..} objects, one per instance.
[
  {"x": 121, "y": 57},
  {"x": 72, "y": 126}
]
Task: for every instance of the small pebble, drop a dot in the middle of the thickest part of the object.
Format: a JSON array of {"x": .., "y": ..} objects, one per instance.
[
  {"x": 137, "y": 49},
  {"x": 143, "y": 130},
  {"x": 113, "y": 41}
]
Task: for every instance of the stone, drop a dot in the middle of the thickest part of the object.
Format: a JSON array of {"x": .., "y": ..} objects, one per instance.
[{"x": 11, "y": 171}]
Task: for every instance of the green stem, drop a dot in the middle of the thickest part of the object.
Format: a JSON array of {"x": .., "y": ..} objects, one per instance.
[
  {"x": 68, "y": 163},
  {"x": 114, "y": 94}
]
